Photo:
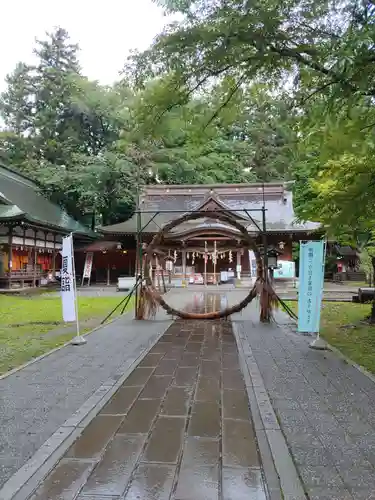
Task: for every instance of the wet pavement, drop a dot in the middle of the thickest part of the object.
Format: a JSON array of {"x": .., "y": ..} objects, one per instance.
[{"x": 178, "y": 428}]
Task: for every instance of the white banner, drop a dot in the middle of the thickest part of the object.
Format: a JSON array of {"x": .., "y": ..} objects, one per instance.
[
  {"x": 67, "y": 280},
  {"x": 88, "y": 265}
]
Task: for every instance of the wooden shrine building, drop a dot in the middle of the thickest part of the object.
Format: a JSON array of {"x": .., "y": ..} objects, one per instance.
[
  {"x": 31, "y": 232},
  {"x": 206, "y": 247}
]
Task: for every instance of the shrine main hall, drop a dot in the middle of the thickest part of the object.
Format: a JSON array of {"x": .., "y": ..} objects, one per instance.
[{"x": 204, "y": 247}]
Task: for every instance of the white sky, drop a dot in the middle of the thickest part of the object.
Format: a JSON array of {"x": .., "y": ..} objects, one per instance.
[{"x": 105, "y": 30}]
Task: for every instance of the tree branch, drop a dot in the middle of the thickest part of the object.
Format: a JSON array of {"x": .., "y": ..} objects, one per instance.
[
  {"x": 226, "y": 102},
  {"x": 316, "y": 91}
]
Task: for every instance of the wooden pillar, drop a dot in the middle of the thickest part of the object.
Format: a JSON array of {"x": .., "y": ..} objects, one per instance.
[
  {"x": 108, "y": 274},
  {"x": 214, "y": 261},
  {"x": 205, "y": 263},
  {"x": 238, "y": 265},
  {"x": 158, "y": 273},
  {"x": 54, "y": 257},
  {"x": 34, "y": 261},
  {"x": 184, "y": 267},
  {"x": 10, "y": 251}
]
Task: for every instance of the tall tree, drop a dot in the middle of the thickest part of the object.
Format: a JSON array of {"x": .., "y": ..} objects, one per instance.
[
  {"x": 38, "y": 97},
  {"x": 313, "y": 45},
  {"x": 85, "y": 142}
]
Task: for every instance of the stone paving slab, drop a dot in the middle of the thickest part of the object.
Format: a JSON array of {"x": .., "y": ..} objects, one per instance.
[
  {"x": 178, "y": 428},
  {"x": 325, "y": 408},
  {"x": 36, "y": 400}
]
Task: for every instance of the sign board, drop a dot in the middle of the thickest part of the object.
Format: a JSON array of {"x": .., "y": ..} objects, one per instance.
[
  {"x": 286, "y": 269},
  {"x": 88, "y": 265},
  {"x": 67, "y": 280},
  {"x": 311, "y": 281}
]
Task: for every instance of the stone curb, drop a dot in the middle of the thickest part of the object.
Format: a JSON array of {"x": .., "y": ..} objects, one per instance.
[
  {"x": 25, "y": 481},
  {"x": 283, "y": 481}
]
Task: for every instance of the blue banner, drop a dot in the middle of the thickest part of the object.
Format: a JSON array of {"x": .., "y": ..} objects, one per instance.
[{"x": 311, "y": 282}]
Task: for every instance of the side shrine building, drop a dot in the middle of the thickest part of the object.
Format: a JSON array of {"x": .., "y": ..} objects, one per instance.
[
  {"x": 204, "y": 249},
  {"x": 31, "y": 232}
]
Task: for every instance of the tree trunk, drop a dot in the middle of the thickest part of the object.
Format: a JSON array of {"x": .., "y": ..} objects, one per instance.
[{"x": 372, "y": 316}]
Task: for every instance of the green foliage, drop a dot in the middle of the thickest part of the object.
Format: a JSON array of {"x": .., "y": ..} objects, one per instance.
[
  {"x": 321, "y": 45},
  {"x": 88, "y": 145},
  {"x": 323, "y": 51}
]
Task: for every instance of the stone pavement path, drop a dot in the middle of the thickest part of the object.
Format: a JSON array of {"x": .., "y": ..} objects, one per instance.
[
  {"x": 37, "y": 400},
  {"x": 179, "y": 428},
  {"x": 180, "y": 424},
  {"x": 325, "y": 408}
]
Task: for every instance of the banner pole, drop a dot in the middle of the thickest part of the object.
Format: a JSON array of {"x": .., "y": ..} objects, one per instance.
[
  {"x": 319, "y": 343},
  {"x": 78, "y": 339}
]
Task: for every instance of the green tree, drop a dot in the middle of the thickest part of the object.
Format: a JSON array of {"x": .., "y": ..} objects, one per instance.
[
  {"x": 251, "y": 138},
  {"x": 85, "y": 142},
  {"x": 100, "y": 185},
  {"x": 37, "y": 98},
  {"x": 58, "y": 124}
]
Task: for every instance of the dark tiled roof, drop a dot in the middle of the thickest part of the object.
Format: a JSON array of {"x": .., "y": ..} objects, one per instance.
[
  {"x": 10, "y": 212},
  {"x": 346, "y": 251},
  {"x": 280, "y": 215},
  {"x": 22, "y": 199}
]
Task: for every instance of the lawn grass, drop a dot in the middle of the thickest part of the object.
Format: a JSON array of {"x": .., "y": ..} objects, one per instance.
[
  {"x": 31, "y": 326},
  {"x": 343, "y": 326}
]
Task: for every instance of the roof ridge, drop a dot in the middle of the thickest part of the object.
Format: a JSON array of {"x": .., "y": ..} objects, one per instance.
[{"x": 23, "y": 176}]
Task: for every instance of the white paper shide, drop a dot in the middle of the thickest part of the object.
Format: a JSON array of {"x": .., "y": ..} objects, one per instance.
[{"x": 67, "y": 280}]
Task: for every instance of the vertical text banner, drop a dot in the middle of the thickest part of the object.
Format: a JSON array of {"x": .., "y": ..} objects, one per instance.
[
  {"x": 88, "y": 265},
  {"x": 311, "y": 282},
  {"x": 67, "y": 280}
]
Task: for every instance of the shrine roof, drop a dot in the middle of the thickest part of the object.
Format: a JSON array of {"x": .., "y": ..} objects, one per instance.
[
  {"x": 21, "y": 199},
  {"x": 161, "y": 204}
]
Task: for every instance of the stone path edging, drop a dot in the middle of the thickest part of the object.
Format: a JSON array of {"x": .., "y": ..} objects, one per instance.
[
  {"x": 278, "y": 464},
  {"x": 25, "y": 481}
]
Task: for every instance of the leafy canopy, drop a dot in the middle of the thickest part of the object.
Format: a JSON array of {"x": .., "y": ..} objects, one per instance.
[{"x": 88, "y": 145}]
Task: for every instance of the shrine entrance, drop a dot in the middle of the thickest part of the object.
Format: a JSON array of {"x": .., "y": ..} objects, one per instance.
[{"x": 149, "y": 297}]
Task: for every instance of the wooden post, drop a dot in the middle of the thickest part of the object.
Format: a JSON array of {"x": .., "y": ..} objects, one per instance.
[
  {"x": 10, "y": 251},
  {"x": 108, "y": 271},
  {"x": 214, "y": 262},
  {"x": 158, "y": 272},
  {"x": 184, "y": 267},
  {"x": 238, "y": 265},
  {"x": 205, "y": 263},
  {"x": 35, "y": 260},
  {"x": 54, "y": 254}
]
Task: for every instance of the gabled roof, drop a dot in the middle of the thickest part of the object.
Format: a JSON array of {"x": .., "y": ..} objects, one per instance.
[
  {"x": 161, "y": 204},
  {"x": 212, "y": 203},
  {"x": 20, "y": 199}
]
